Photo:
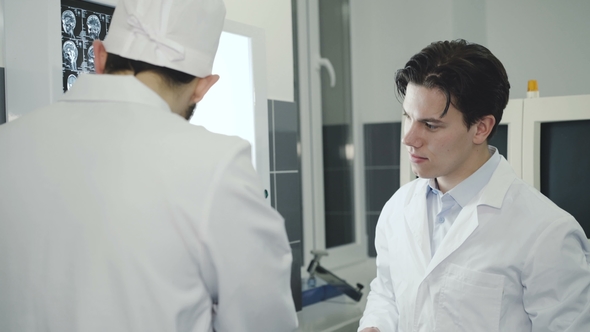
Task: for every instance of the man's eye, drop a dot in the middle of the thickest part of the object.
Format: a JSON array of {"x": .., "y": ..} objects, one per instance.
[{"x": 429, "y": 126}]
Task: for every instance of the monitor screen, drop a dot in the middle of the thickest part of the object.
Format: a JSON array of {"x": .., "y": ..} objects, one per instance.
[
  {"x": 500, "y": 140},
  {"x": 565, "y": 166}
]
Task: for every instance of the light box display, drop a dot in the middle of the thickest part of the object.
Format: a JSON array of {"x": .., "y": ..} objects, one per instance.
[{"x": 81, "y": 23}]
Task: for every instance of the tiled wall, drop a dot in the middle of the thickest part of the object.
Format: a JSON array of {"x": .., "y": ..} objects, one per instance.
[
  {"x": 285, "y": 180},
  {"x": 382, "y": 149},
  {"x": 2, "y": 99}
]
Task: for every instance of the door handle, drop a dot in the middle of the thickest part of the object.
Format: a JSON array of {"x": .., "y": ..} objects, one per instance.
[{"x": 324, "y": 62}]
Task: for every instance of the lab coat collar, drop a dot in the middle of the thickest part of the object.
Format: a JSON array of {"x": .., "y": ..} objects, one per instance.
[
  {"x": 493, "y": 194},
  {"x": 467, "y": 221},
  {"x": 464, "y": 192},
  {"x": 114, "y": 88}
]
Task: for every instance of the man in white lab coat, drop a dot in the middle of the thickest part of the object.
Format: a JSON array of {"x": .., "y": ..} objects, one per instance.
[
  {"x": 116, "y": 214},
  {"x": 469, "y": 246}
]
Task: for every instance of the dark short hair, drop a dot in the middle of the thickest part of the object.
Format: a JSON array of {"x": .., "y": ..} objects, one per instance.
[
  {"x": 173, "y": 78},
  {"x": 470, "y": 76}
]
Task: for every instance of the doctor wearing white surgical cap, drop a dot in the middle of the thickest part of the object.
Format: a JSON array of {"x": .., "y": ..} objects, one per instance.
[{"x": 116, "y": 214}]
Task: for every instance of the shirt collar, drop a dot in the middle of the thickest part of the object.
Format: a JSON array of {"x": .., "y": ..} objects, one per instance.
[
  {"x": 114, "y": 88},
  {"x": 468, "y": 188},
  {"x": 432, "y": 187}
]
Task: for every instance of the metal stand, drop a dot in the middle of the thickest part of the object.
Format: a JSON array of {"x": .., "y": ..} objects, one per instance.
[{"x": 315, "y": 269}]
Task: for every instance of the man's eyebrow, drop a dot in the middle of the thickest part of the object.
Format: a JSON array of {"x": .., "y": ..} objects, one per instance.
[{"x": 430, "y": 120}]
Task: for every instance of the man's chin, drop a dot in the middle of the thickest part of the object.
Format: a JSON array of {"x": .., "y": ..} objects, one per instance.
[{"x": 421, "y": 174}]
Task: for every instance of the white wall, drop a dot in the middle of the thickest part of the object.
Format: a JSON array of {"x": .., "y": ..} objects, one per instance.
[
  {"x": 544, "y": 40},
  {"x": 468, "y": 19},
  {"x": 274, "y": 16},
  {"x": 1, "y": 33},
  {"x": 385, "y": 34},
  {"x": 32, "y": 55},
  {"x": 535, "y": 39}
]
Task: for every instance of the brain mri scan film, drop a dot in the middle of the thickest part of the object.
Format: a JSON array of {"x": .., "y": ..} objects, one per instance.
[
  {"x": 68, "y": 21},
  {"x": 94, "y": 26},
  {"x": 71, "y": 80},
  {"x": 90, "y": 58},
  {"x": 70, "y": 55},
  {"x": 82, "y": 22}
]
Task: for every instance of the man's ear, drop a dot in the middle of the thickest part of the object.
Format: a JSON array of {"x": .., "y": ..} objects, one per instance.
[
  {"x": 484, "y": 127},
  {"x": 203, "y": 85},
  {"x": 100, "y": 56}
]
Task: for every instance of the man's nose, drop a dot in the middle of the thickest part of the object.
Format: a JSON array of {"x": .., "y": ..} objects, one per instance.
[{"x": 411, "y": 136}]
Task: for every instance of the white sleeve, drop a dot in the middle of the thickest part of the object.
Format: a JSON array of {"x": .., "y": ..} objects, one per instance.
[
  {"x": 381, "y": 310},
  {"x": 250, "y": 254},
  {"x": 556, "y": 279}
]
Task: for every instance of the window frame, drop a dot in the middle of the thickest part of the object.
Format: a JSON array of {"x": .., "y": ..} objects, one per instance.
[{"x": 310, "y": 102}]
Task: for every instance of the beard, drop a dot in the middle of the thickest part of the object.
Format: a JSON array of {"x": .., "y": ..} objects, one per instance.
[{"x": 190, "y": 110}]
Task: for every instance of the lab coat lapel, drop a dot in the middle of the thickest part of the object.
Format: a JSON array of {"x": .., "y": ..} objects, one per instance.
[
  {"x": 463, "y": 227},
  {"x": 467, "y": 221},
  {"x": 417, "y": 221}
]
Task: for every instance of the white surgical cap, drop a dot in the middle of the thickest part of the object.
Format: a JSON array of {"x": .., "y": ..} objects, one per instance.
[{"x": 177, "y": 34}]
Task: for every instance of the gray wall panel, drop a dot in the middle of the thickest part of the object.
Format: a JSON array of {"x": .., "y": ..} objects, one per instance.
[
  {"x": 2, "y": 98},
  {"x": 285, "y": 172}
]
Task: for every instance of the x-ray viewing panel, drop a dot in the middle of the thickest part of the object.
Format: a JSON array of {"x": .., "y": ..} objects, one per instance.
[{"x": 81, "y": 23}]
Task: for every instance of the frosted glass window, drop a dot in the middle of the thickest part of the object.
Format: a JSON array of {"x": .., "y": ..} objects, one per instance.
[{"x": 228, "y": 108}]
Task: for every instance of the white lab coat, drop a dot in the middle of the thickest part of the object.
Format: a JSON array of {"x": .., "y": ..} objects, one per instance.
[
  {"x": 512, "y": 261},
  {"x": 118, "y": 215}
]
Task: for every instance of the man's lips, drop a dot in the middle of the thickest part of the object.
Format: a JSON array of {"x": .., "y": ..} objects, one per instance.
[{"x": 416, "y": 158}]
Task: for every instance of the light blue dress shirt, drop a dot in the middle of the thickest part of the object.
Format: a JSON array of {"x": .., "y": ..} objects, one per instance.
[{"x": 443, "y": 209}]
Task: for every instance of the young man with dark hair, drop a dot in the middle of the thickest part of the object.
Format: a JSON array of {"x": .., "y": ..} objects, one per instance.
[
  {"x": 469, "y": 246},
  {"x": 116, "y": 214}
]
